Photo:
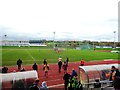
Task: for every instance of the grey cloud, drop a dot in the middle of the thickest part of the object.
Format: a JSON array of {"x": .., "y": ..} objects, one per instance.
[{"x": 14, "y": 35}]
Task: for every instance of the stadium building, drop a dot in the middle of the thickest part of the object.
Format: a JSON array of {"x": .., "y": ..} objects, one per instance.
[{"x": 22, "y": 43}]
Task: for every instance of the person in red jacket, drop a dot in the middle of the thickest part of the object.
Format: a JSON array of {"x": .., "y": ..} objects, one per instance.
[{"x": 82, "y": 62}]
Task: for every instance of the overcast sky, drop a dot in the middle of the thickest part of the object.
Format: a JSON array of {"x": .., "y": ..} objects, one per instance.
[{"x": 93, "y": 20}]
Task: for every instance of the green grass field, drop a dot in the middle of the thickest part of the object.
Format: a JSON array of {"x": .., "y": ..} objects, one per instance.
[{"x": 30, "y": 54}]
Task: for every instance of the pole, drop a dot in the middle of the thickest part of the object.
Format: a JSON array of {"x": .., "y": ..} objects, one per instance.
[
  {"x": 114, "y": 38},
  {"x": 5, "y": 40},
  {"x": 54, "y": 40}
]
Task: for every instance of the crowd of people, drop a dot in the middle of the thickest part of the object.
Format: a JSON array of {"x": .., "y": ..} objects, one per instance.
[
  {"x": 35, "y": 85},
  {"x": 70, "y": 80},
  {"x": 45, "y": 67},
  {"x": 61, "y": 65}
]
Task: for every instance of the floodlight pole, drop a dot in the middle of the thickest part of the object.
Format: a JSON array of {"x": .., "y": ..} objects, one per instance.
[
  {"x": 5, "y": 39},
  {"x": 53, "y": 39},
  {"x": 114, "y": 38},
  {"x": 93, "y": 46}
]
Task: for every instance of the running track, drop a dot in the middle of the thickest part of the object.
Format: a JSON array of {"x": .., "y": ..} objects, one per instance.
[{"x": 55, "y": 79}]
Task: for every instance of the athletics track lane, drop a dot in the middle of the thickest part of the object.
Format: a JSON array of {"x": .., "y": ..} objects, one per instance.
[{"x": 55, "y": 78}]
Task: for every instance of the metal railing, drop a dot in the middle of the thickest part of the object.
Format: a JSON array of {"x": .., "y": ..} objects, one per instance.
[{"x": 104, "y": 85}]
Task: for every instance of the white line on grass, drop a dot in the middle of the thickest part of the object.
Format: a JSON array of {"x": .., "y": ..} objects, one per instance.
[{"x": 30, "y": 55}]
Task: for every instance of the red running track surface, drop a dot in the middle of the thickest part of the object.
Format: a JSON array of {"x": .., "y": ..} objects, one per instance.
[{"x": 54, "y": 77}]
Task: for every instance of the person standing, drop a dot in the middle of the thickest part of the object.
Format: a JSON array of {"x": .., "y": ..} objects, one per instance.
[
  {"x": 66, "y": 80},
  {"x": 45, "y": 62},
  {"x": 19, "y": 63},
  {"x": 46, "y": 68},
  {"x": 67, "y": 60},
  {"x": 65, "y": 66},
  {"x": 79, "y": 86},
  {"x": 82, "y": 62},
  {"x": 35, "y": 67},
  {"x": 72, "y": 83},
  {"x": 59, "y": 65},
  {"x": 116, "y": 81},
  {"x": 112, "y": 73}
]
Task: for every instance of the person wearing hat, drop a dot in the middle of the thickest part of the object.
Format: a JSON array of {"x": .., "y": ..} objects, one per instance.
[{"x": 44, "y": 86}]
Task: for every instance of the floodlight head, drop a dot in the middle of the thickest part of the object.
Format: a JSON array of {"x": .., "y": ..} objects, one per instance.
[{"x": 114, "y": 31}]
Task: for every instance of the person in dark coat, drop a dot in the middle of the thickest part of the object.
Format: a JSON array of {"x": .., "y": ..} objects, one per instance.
[
  {"x": 35, "y": 67},
  {"x": 112, "y": 73},
  {"x": 116, "y": 81},
  {"x": 45, "y": 62},
  {"x": 35, "y": 85},
  {"x": 4, "y": 69},
  {"x": 66, "y": 79},
  {"x": 117, "y": 73},
  {"x": 59, "y": 65},
  {"x": 67, "y": 60},
  {"x": 19, "y": 63}
]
